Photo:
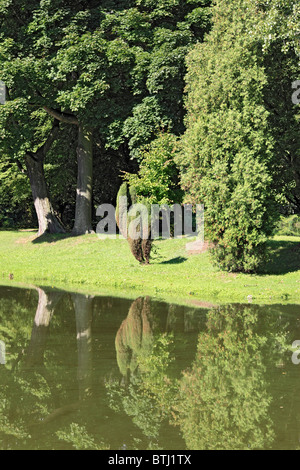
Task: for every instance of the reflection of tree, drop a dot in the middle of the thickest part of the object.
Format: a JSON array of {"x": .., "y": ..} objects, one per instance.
[
  {"x": 45, "y": 309},
  {"x": 229, "y": 397},
  {"x": 14, "y": 330},
  {"x": 33, "y": 378},
  {"x": 33, "y": 375},
  {"x": 143, "y": 358},
  {"x": 135, "y": 335},
  {"x": 83, "y": 306},
  {"x": 224, "y": 398}
]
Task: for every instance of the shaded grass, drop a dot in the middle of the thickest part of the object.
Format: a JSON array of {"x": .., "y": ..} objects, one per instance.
[
  {"x": 87, "y": 264},
  {"x": 284, "y": 256}
]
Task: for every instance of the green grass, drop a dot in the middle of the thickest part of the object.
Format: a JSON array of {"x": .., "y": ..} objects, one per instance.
[{"x": 87, "y": 264}]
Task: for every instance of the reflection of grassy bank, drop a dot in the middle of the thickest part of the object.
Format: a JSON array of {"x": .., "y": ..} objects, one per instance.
[{"x": 88, "y": 264}]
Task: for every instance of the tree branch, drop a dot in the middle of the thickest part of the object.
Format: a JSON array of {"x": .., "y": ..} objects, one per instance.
[
  {"x": 62, "y": 117},
  {"x": 51, "y": 138},
  {"x": 33, "y": 156},
  {"x": 20, "y": 166}
]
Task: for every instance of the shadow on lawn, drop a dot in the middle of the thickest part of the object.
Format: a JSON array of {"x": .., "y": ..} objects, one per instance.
[
  {"x": 284, "y": 257},
  {"x": 178, "y": 260},
  {"x": 52, "y": 238}
]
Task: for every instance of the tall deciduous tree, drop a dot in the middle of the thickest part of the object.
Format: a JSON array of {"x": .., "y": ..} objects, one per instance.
[
  {"x": 26, "y": 137},
  {"x": 115, "y": 66}
]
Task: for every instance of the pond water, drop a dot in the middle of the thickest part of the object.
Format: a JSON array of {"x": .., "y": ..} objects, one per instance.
[{"x": 89, "y": 372}]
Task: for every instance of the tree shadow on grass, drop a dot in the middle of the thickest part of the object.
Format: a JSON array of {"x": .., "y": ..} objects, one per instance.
[
  {"x": 178, "y": 260},
  {"x": 52, "y": 238},
  {"x": 284, "y": 257}
]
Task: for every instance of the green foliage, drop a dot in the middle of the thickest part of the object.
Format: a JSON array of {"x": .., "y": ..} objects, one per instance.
[
  {"x": 278, "y": 31},
  {"x": 226, "y": 398},
  {"x": 123, "y": 192},
  {"x": 157, "y": 179},
  {"x": 15, "y": 196},
  {"x": 119, "y": 67},
  {"x": 280, "y": 22},
  {"x": 150, "y": 394},
  {"x": 227, "y": 151},
  {"x": 289, "y": 226},
  {"x": 79, "y": 438},
  {"x": 154, "y": 369}
]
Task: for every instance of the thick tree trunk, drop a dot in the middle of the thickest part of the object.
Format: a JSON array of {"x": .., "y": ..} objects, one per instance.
[
  {"x": 47, "y": 220},
  {"x": 83, "y": 212}
]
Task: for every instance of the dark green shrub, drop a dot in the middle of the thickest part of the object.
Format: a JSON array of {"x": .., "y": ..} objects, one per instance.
[{"x": 227, "y": 159}]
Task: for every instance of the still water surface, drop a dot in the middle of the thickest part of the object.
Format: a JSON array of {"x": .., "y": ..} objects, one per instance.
[{"x": 109, "y": 373}]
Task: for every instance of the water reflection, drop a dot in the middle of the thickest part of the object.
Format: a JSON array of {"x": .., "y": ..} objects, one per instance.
[
  {"x": 135, "y": 336},
  {"x": 225, "y": 396},
  {"x": 83, "y": 307},
  {"x": 100, "y": 372},
  {"x": 44, "y": 312}
]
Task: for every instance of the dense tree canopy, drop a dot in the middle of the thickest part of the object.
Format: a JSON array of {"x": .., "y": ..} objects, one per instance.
[{"x": 114, "y": 67}]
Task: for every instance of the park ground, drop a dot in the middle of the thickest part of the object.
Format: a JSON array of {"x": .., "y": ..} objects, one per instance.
[{"x": 89, "y": 265}]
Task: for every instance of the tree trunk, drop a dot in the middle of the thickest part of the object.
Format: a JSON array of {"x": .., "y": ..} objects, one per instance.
[
  {"x": 83, "y": 212},
  {"x": 47, "y": 220}
]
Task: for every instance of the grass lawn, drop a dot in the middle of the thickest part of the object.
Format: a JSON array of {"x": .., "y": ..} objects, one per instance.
[{"x": 87, "y": 264}]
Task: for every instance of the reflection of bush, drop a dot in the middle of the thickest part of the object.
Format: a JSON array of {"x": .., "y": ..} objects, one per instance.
[
  {"x": 135, "y": 335},
  {"x": 225, "y": 399},
  {"x": 149, "y": 393},
  {"x": 142, "y": 353},
  {"x": 224, "y": 402},
  {"x": 79, "y": 438}
]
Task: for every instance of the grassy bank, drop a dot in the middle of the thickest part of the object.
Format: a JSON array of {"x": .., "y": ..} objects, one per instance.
[{"x": 88, "y": 264}]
